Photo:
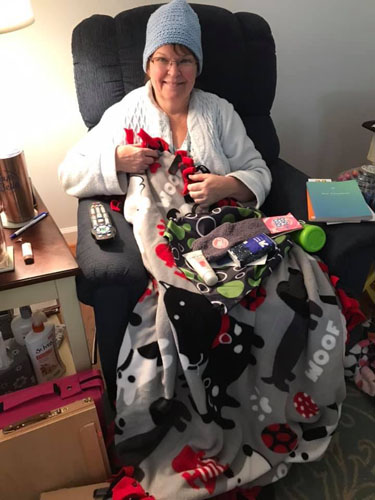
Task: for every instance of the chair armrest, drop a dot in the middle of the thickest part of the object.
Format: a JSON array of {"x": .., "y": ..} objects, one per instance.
[
  {"x": 350, "y": 248},
  {"x": 109, "y": 262},
  {"x": 349, "y": 253},
  {"x": 288, "y": 191},
  {"x": 101, "y": 261}
]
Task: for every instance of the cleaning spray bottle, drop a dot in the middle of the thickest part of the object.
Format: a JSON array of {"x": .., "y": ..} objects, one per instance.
[{"x": 41, "y": 346}]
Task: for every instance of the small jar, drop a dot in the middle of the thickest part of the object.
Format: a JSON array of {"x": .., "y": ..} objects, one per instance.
[
  {"x": 365, "y": 177},
  {"x": 366, "y": 183}
]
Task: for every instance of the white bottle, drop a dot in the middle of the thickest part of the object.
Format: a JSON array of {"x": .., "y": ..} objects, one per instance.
[
  {"x": 21, "y": 325},
  {"x": 40, "y": 344},
  {"x": 5, "y": 359}
]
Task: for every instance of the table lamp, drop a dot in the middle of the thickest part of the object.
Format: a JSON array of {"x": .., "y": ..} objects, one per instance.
[
  {"x": 15, "y": 186},
  {"x": 15, "y": 14},
  {"x": 370, "y": 125}
]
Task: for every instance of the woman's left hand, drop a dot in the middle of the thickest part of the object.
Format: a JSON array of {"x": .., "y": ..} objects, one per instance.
[{"x": 206, "y": 189}]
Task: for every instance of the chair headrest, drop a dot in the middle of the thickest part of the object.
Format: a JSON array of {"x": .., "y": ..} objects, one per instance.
[{"x": 239, "y": 64}]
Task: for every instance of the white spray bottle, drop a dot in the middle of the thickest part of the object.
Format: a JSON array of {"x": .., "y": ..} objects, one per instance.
[{"x": 21, "y": 325}]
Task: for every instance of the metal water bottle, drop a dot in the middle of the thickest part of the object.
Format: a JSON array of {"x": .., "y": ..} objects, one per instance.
[{"x": 15, "y": 188}]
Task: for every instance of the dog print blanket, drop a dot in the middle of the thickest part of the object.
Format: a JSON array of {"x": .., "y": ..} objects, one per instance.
[{"x": 222, "y": 387}]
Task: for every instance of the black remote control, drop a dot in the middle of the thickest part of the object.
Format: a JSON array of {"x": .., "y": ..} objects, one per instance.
[{"x": 101, "y": 226}]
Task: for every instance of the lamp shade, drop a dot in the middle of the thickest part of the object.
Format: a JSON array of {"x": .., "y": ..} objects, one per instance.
[{"x": 15, "y": 14}]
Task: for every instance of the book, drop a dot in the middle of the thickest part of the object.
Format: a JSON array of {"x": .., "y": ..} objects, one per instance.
[
  {"x": 252, "y": 249},
  {"x": 310, "y": 210},
  {"x": 336, "y": 201}
]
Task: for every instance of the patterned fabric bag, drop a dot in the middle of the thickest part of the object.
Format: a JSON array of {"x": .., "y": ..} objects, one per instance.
[{"x": 234, "y": 282}]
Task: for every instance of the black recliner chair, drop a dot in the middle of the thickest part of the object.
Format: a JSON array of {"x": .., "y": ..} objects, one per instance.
[{"x": 240, "y": 65}]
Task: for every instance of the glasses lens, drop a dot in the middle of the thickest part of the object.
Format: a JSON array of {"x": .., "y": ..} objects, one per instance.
[{"x": 164, "y": 63}]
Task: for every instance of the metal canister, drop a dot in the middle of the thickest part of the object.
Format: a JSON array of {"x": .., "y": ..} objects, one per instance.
[
  {"x": 15, "y": 188},
  {"x": 366, "y": 183}
]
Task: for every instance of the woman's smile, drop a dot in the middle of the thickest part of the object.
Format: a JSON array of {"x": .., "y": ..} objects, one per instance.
[{"x": 173, "y": 84}]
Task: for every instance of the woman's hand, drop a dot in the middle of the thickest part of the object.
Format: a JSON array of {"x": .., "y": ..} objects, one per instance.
[
  {"x": 207, "y": 189},
  {"x": 134, "y": 159}
]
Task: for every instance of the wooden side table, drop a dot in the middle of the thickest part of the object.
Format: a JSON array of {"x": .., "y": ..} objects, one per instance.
[{"x": 51, "y": 276}]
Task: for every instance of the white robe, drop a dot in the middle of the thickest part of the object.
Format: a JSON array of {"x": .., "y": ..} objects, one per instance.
[{"x": 218, "y": 140}]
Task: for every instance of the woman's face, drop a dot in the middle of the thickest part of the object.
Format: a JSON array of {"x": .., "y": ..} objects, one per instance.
[{"x": 172, "y": 74}]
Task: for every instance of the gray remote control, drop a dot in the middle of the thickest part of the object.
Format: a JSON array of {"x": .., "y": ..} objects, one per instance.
[{"x": 101, "y": 225}]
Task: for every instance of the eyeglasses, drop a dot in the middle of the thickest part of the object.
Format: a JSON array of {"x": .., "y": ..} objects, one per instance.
[{"x": 185, "y": 63}]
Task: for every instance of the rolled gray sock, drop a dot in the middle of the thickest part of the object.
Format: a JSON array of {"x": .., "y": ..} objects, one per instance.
[{"x": 215, "y": 244}]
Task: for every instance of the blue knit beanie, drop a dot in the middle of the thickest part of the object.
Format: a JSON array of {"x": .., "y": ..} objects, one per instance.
[{"x": 174, "y": 22}]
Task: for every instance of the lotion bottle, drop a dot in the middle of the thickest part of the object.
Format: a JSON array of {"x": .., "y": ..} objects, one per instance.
[
  {"x": 41, "y": 346},
  {"x": 200, "y": 264},
  {"x": 21, "y": 325}
]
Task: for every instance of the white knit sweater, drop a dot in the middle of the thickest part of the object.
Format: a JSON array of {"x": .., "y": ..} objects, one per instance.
[{"x": 217, "y": 134}]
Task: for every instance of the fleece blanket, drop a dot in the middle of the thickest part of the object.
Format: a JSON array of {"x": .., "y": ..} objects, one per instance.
[{"x": 222, "y": 387}]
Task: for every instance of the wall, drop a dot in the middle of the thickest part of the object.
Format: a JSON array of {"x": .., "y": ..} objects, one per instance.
[{"x": 326, "y": 84}]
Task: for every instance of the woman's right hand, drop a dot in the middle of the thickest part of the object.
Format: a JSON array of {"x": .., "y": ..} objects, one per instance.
[{"x": 133, "y": 159}]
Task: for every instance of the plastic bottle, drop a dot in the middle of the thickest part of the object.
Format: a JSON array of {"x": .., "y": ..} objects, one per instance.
[
  {"x": 5, "y": 359},
  {"x": 21, "y": 325},
  {"x": 311, "y": 238},
  {"x": 41, "y": 346}
]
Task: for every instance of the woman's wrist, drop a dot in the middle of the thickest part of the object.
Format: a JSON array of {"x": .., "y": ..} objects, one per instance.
[
  {"x": 119, "y": 159},
  {"x": 238, "y": 190}
]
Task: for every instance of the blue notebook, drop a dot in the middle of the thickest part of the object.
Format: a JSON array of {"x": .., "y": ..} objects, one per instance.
[{"x": 337, "y": 201}]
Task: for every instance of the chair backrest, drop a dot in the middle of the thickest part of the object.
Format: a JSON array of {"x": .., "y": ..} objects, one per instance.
[{"x": 239, "y": 64}]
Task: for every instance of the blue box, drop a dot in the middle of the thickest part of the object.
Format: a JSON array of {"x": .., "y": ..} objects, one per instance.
[{"x": 246, "y": 252}]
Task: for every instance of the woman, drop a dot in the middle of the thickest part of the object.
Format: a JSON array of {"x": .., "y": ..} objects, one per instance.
[
  {"x": 204, "y": 397},
  {"x": 172, "y": 70},
  {"x": 169, "y": 107}
]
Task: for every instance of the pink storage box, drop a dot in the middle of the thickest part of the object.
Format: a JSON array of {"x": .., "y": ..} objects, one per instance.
[{"x": 17, "y": 406}]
